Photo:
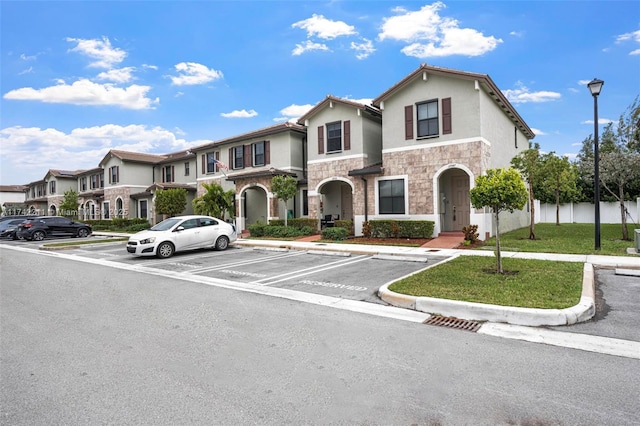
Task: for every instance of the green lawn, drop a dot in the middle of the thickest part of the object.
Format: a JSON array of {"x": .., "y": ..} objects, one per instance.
[
  {"x": 526, "y": 283},
  {"x": 537, "y": 283},
  {"x": 571, "y": 238}
]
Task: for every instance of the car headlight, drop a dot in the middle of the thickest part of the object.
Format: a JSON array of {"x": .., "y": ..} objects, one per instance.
[{"x": 148, "y": 240}]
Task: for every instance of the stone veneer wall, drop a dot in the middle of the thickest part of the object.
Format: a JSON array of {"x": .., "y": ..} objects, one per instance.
[
  {"x": 112, "y": 194},
  {"x": 420, "y": 165},
  {"x": 317, "y": 172}
]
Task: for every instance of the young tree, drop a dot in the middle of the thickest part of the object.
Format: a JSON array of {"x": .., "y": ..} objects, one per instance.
[
  {"x": 215, "y": 202},
  {"x": 559, "y": 181},
  {"x": 171, "y": 201},
  {"x": 284, "y": 188},
  {"x": 69, "y": 206},
  {"x": 529, "y": 164},
  {"x": 501, "y": 190}
]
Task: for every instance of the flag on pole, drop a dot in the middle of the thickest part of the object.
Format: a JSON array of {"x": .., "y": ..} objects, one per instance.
[{"x": 221, "y": 164}]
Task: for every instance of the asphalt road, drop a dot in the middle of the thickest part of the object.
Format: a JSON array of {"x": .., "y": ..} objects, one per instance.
[{"x": 90, "y": 344}]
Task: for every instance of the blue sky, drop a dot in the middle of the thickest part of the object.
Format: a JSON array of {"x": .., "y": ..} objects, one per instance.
[{"x": 81, "y": 77}]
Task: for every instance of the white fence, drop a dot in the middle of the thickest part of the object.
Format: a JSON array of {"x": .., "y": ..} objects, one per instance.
[{"x": 585, "y": 212}]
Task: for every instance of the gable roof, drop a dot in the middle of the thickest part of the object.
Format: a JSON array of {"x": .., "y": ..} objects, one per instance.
[
  {"x": 13, "y": 188},
  {"x": 265, "y": 131},
  {"x": 135, "y": 157},
  {"x": 327, "y": 102},
  {"x": 63, "y": 174},
  {"x": 484, "y": 80}
]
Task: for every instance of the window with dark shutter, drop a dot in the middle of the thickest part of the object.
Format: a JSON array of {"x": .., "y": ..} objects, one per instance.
[
  {"x": 428, "y": 118},
  {"x": 334, "y": 137},
  {"x": 408, "y": 122},
  {"x": 320, "y": 139},
  {"x": 446, "y": 116},
  {"x": 347, "y": 135},
  {"x": 204, "y": 163},
  {"x": 258, "y": 154}
]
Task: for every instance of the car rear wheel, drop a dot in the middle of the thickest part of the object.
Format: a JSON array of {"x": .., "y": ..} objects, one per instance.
[
  {"x": 38, "y": 236},
  {"x": 83, "y": 232},
  {"x": 222, "y": 243},
  {"x": 165, "y": 250}
]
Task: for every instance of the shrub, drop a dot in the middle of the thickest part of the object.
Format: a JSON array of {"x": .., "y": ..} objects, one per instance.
[
  {"x": 257, "y": 229},
  {"x": 470, "y": 233},
  {"x": 299, "y": 222},
  {"x": 367, "y": 229},
  {"x": 346, "y": 224},
  {"x": 401, "y": 228},
  {"x": 136, "y": 227},
  {"x": 335, "y": 233}
]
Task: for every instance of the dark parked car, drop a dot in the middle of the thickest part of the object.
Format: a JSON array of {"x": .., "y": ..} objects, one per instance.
[
  {"x": 8, "y": 228},
  {"x": 52, "y": 226}
]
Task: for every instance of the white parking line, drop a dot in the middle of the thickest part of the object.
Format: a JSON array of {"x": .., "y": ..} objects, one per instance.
[
  {"x": 311, "y": 270},
  {"x": 244, "y": 262}
]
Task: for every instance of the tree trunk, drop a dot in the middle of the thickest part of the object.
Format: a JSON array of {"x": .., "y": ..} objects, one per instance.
[
  {"x": 498, "y": 255},
  {"x": 532, "y": 216},
  {"x": 557, "y": 208},
  {"x": 623, "y": 215}
]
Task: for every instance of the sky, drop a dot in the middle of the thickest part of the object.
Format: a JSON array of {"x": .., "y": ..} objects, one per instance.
[{"x": 78, "y": 78}]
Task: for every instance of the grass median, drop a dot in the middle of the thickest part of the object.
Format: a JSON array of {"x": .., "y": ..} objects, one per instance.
[{"x": 526, "y": 283}]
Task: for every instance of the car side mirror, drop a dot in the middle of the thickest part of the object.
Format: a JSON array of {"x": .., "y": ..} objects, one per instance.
[{"x": 179, "y": 228}]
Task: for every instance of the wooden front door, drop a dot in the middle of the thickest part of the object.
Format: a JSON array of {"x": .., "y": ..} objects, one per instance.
[{"x": 460, "y": 204}]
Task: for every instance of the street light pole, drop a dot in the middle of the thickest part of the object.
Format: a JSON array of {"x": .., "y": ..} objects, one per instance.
[{"x": 595, "y": 86}]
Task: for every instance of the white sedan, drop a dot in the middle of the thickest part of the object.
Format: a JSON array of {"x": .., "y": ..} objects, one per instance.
[{"x": 182, "y": 233}]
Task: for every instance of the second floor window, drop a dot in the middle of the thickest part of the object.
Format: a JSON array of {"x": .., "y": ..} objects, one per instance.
[
  {"x": 334, "y": 137},
  {"x": 52, "y": 187},
  {"x": 259, "y": 154},
  {"x": 186, "y": 168},
  {"x": 238, "y": 157},
  {"x": 83, "y": 183},
  {"x": 167, "y": 174},
  {"x": 428, "y": 119},
  {"x": 114, "y": 174}
]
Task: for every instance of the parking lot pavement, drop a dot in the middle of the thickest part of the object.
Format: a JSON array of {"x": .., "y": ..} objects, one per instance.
[{"x": 355, "y": 277}]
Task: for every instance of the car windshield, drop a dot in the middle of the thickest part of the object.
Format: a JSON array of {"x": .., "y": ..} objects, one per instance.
[{"x": 165, "y": 225}]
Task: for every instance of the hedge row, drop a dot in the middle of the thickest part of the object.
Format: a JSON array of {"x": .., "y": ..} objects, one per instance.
[
  {"x": 398, "y": 228},
  {"x": 260, "y": 229},
  {"x": 119, "y": 224},
  {"x": 300, "y": 222}
]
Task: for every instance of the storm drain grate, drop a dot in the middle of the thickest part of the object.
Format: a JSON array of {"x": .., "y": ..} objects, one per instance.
[{"x": 453, "y": 322}]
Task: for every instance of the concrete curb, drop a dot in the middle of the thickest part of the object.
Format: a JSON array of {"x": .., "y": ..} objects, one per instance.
[{"x": 583, "y": 311}]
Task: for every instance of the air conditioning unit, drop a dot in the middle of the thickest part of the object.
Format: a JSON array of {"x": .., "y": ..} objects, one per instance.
[{"x": 636, "y": 240}]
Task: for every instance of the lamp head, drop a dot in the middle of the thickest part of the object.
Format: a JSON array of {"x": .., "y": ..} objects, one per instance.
[{"x": 595, "y": 86}]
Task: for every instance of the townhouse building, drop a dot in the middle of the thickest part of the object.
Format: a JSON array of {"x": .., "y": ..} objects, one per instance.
[
  {"x": 246, "y": 164},
  {"x": 413, "y": 153}
]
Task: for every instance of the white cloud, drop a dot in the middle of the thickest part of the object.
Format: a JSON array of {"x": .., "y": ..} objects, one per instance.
[
  {"x": 192, "y": 73},
  {"x": 363, "y": 101},
  {"x": 431, "y": 35},
  {"x": 600, "y": 121},
  {"x": 538, "y": 132},
  {"x": 522, "y": 95},
  {"x": 308, "y": 46},
  {"x": 27, "y": 71},
  {"x": 28, "y": 58},
  {"x": 101, "y": 50},
  {"x": 293, "y": 112},
  {"x": 151, "y": 67},
  {"x": 120, "y": 75},
  {"x": 86, "y": 92},
  {"x": 363, "y": 49},
  {"x": 517, "y": 33},
  {"x": 326, "y": 29},
  {"x": 239, "y": 114},
  {"x": 633, "y": 36},
  {"x": 38, "y": 150}
]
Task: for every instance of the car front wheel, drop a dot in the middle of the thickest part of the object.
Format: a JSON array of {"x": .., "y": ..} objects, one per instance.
[
  {"x": 82, "y": 232},
  {"x": 38, "y": 236},
  {"x": 165, "y": 250},
  {"x": 222, "y": 243}
]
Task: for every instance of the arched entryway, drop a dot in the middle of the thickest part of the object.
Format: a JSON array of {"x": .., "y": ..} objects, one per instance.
[
  {"x": 53, "y": 211},
  {"x": 335, "y": 198},
  {"x": 252, "y": 206},
  {"x": 452, "y": 198}
]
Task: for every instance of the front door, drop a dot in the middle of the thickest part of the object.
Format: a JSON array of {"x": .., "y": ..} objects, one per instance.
[{"x": 460, "y": 204}]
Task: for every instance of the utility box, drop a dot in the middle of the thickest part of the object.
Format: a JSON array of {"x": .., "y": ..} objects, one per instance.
[{"x": 636, "y": 240}]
